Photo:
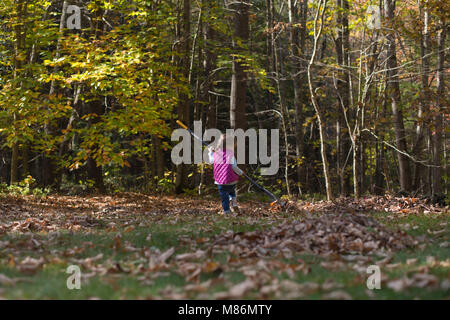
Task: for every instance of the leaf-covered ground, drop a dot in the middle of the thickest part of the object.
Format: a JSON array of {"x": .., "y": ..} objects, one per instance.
[{"x": 134, "y": 246}]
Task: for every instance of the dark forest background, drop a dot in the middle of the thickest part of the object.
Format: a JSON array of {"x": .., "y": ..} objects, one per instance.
[{"x": 362, "y": 109}]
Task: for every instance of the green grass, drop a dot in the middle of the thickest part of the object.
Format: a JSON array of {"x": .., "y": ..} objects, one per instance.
[{"x": 49, "y": 282}]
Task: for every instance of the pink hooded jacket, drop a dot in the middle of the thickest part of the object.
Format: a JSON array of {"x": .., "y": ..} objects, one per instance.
[{"x": 226, "y": 170}]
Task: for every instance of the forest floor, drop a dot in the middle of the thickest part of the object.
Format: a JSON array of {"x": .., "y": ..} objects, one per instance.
[{"x": 132, "y": 246}]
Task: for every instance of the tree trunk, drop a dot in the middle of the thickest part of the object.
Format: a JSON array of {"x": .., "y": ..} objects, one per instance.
[
  {"x": 94, "y": 170},
  {"x": 25, "y": 159},
  {"x": 209, "y": 64},
  {"x": 14, "y": 164},
  {"x": 425, "y": 98},
  {"x": 394, "y": 92},
  {"x": 297, "y": 54},
  {"x": 283, "y": 110},
  {"x": 239, "y": 77},
  {"x": 58, "y": 45},
  {"x": 51, "y": 172},
  {"x": 183, "y": 104},
  {"x": 159, "y": 157},
  {"x": 198, "y": 106},
  {"x": 19, "y": 47},
  {"x": 342, "y": 51},
  {"x": 380, "y": 179},
  {"x": 320, "y": 11},
  {"x": 438, "y": 119},
  {"x": 270, "y": 59}
]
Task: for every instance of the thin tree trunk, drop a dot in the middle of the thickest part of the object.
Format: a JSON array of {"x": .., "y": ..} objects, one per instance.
[
  {"x": 183, "y": 104},
  {"x": 159, "y": 157},
  {"x": 51, "y": 173},
  {"x": 95, "y": 171},
  {"x": 239, "y": 77},
  {"x": 342, "y": 50},
  {"x": 297, "y": 54},
  {"x": 423, "y": 106},
  {"x": 19, "y": 47},
  {"x": 437, "y": 137},
  {"x": 58, "y": 45},
  {"x": 14, "y": 163},
  {"x": 379, "y": 167},
  {"x": 25, "y": 159},
  {"x": 209, "y": 64},
  {"x": 198, "y": 107},
  {"x": 283, "y": 110},
  {"x": 317, "y": 34},
  {"x": 270, "y": 59},
  {"x": 395, "y": 96}
]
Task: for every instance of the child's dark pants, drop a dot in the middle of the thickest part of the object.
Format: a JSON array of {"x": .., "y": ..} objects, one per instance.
[{"x": 226, "y": 193}]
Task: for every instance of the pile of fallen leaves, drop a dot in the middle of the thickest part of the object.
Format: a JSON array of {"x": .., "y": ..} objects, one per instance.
[
  {"x": 28, "y": 214},
  {"x": 342, "y": 233},
  {"x": 387, "y": 203},
  {"x": 325, "y": 234}
]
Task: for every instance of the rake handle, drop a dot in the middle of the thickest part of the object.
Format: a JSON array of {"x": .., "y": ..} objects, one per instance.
[
  {"x": 270, "y": 194},
  {"x": 181, "y": 124}
]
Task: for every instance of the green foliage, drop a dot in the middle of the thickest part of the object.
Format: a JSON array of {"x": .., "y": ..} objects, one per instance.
[
  {"x": 165, "y": 184},
  {"x": 25, "y": 187},
  {"x": 129, "y": 66}
]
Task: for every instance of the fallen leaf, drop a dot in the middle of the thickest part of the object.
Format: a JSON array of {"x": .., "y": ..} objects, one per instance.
[
  {"x": 237, "y": 291},
  {"x": 5, "y": 281},
  {"x": 30, "y": 265},
  {"x": 338, "y": 295},
  {"x": 211, "y": 266},
  {"x": 166, "y": 255},
  {"x": 117, "y": 242}
]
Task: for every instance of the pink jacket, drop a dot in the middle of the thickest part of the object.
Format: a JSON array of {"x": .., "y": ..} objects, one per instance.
[{"x": 226, "y": 170}]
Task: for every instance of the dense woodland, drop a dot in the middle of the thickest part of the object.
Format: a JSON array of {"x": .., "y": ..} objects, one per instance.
[{"x": 361, "y": 108}]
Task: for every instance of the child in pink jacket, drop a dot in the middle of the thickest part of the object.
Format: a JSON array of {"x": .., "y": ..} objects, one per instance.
[{"x": 226, "y": 174}]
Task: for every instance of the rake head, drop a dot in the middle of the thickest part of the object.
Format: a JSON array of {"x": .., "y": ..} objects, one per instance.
[{"x": 278, "y": 205}]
